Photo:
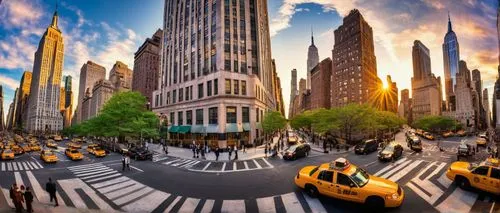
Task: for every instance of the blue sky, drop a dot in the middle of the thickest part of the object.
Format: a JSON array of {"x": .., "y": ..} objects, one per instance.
[{"x": 106, "y": 31}]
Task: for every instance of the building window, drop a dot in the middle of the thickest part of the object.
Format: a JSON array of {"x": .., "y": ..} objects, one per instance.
[
  {"x": 231, "y": 115},
  {"x": 187, "y": 94},
  {"x": 179, "y": 118},
  {"x": 174, "y": 96},
  {"x": 200, "y": 91},
  {"x": 181, "y": 94},
  {"x": 168, "y": 98},
  {"x": 191, "y": 92},
  {"x": 245, "y": 114},
  {"x": 243, "y": 87},
  {"x": 257, "y": 114},
  {"x": 216, "y": 86},
  {"x": 212, "y": 115},
  {"x": 172, "y": 118},
  {"x": 189, "y": 117},
  {"x": 199, "y": 117},
  {"x": 209, "y": 88},
  {"x": 228, "y": 86},
  {"x": 236, "y": 87}
]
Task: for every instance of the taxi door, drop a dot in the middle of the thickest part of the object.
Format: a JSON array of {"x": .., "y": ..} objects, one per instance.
[
  {"x": 480, "y": 178},
  {"x": 345, "y": 188},
  {"x": 325, "y": 184},
  {"x": 494, "y": 181}
]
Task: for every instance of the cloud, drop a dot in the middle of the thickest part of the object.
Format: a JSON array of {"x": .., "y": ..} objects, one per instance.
[
  {"x": 8, "y": 82},
  {"x": 16, "y": 52},
  {"x": 19, "y": 13}
]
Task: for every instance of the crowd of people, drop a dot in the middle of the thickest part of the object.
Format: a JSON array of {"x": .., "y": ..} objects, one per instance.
[{"x": 22, "y": 196}]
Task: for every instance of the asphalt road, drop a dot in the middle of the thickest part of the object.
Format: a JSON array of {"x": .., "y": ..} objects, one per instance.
[{"x": 265, "y": 185}]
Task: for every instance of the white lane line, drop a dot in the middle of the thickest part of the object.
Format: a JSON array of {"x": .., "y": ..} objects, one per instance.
[
  {"x": 110, "y": 182},
  {"x": 40, "y": 165},
  {"x": 492, "y": 207},
  {"x": 292, "y": 203},
  {"x": 181, "y": 162},
  {"x": 133, "y": 167},
  {"x": 230, "y": 206},
  {"x": 34, "y": 165},
  {"x": 206, "y": 166},
  {"x": 99, "y": 175},
  {"x": 20, "y": 166},
  {"x": 3, "y": 166},
  {"x": 102, "y": 178},
  {"x": 93, "y": 172},
  {"x": 190, "y": 165},
  {"x": 394, "y": 170},
  {"x": 70, "y": 185},
  {"x": 171, "y": 206},
  {"x": 459, "y": 201},
  {"x": 147, "y": 203},
  {"x": 270, "y": 165},
  {"x": 405, "y": 171},
  {"x": 246, "y": 165},
  {"x": 266, "y": 205},
  {"x": 389, "y": 166},
  {"x": 9, "y": 166},
  {"x": 208, "y": 206},
  {"x": 19, "y": 180},
  {"x": 314, "y": 204},
  {"x": 118, "y": 193},
  {"x": 234, "y": 166},
  {"x": 116, "y": 186},
  {"x": 189, "y": 205},
  {"x": 90, "y": 170},
  {"x": 134, "y": 195},
  {"x": 14, "y": 165},
  {"x": 257, "y": 164},
  {"x": 25, "y": 166},
  {"x": 223, "y": 167}
]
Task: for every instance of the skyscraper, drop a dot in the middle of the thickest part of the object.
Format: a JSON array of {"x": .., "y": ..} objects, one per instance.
[
  {"x": 67, "y": 106},
  {"x": 486, "y": 107},
  {"x": 451, "y": 56},
  {"x": 43, "y": 111},
  {"x": 216, "y": 77},
  {"x": 13, "y": 115},
  {"x": 404, "y": 109},
  {"x": 426, "y": 88},
  {"x": 312, "y": 59},
  {"x": 2, "y": 123},
  {"x": 354, "y": 75},
  {"x": 147, "y": 65},
  {"x": 293, "y": 92},
  {"x": 465, "y": 112},
  {"x": 90, "y": 73},
  {"x": 23, "y": 95},
  {"x": 320, "y": 90},
  {"x": 120, "y": 76}
]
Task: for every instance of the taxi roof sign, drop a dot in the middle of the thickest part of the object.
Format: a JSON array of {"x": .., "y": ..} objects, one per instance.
[{"x": 339, "y": 164}]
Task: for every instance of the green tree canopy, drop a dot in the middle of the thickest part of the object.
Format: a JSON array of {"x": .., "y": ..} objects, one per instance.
[
  {"x": 273, "y": 121},
  {"x": 124, "y": 115},
  {"x": 436, "y": 123}
]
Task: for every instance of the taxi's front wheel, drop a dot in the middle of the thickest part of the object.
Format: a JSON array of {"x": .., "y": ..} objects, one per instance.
[
  {"x": 375, "y": 203},
  {"x": 311, "y": 190}
]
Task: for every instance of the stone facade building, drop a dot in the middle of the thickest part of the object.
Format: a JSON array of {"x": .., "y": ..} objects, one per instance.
[
  {"x": 67, "y": 106},
  {"x": 451, "y": 56},
  {"x": 277, "y": 90},
  {"x": 293, "y": 92},
  {"x": 320, "y": 90},
  {"x": 90, "y": 73},
  {"x": 465, "y": 112},
  {"x": 147, "y": 65},
  {"x": 121, "y": 77},
  {"x": 404, "y": 109},
  {"x": 354, "y": 74},
  {"x": 86, "y": 105},
  {"x": 102, "y": 91},
  {"x": 2, "y": 123},
  {"x": 486, "y": 108},
  {"x": 43, "y": 110}
]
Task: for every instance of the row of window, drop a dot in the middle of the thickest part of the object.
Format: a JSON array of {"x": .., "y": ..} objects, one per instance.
[{"x": 213, "y": 116}]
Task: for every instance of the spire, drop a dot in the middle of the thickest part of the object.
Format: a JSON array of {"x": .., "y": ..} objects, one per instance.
[
  {"x": 449, "y": 23},
  {"x": 55, "y": 18},
  {"x": 312, "y": 35}
]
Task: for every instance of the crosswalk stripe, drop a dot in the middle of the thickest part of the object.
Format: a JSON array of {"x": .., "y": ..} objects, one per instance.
[
  {"x": 206, "y": 166},
  {"x": 389, "y": 166},
  {"x": 459, "y": 201},
  {"x": 134, "y": 195},
  {"x": 189, "y": 205},
  {"x": 40, "y": 165},
  {"x": 90, "y": 169},
  {"x": 257, "y": 164},
  {"x": 102, "y": 178},
  {"x": 223, "y": 167},
  {"x": 20, "y": 166},
  {"x": 444, "y": 180},
  {"x": 169, "y": 162},
  {"x": 190, "y": 165},
  {"x": 118, "y": 193},
  {"x": 19, "y": 180},
  {"x": 34, "y": 165},
  {"x": 99, "y": 175},
  {"x": 29, "y": 165},
  {"x": 234, "y": 166},
  {"x": 40, "y": 194},
  {"x": 246, "y": 165},
  {"x": 6, "y": 194},
  {"x": 116, "y": 186},
  {"x": 171, "y": 206},
  {"x": 9, "y": 166},
  {"x": 237, "y": 206},
  {"x": 110, "y": 182},
  {"x": 292, "y": 203},
  {"x": 268, "y": 164},
  {"x": 314, "y": 204},
  {"x": 405, "y": 171},
  {"x": 14, "y": 165},
  {"x": 3, "y": 166},
  {"x": 93, "y": 172},
  {"x": 208, "y": 206},
  {"x": 394, "y": 170},
  {"x": 147, "y": 203},
  {"x": 266, "y": 205},
  {"x": 85, "y": 166},
  {"x": 70, "y": 185},
  {"x": 181, "y": 162},
  {"x": 25, "y": 166}
]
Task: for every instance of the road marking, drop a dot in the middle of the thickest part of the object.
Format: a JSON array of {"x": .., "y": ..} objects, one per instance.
[
  {"x": 102, "y": 178},
  {"x": 84, "y": 166},
  {"x": 266, "y": 205},
  {"x": 390, "y": 166},
  {"x": 116, "y": 186},
  {"x": 169, "y": 162},
  {"x": 81, "y": 174},
  {"x": 405, "y": 171},
  {"x": 246, "y": 165},
  {"x": 9, "y": 166},
  {"x": 459, "y": 201},
  {"x": 6, "y": 194},
  {"x": 394, "y": 170},
  {"x": 190, "y": 165},
  {"x": 118, "y": 193},
  {"x": 25, "y": 166},
  {"x": 19, "y": 180},
  {"x": 90, "y": 169},
  {"x": 181, "y": 162},
  {"x": 189, "y": 205},
  {"x": 20, "y": 166},
  {"x": 234, "y": 166},
  {"x": 223, "y": 167},
  {"x": 206, "y": 166},
  {"x": 369, "y": 164},
  {"x": 40, "y": 165},
  {"x": 171, "y": 206},
  {"x": 14, "y": 165},
  {"x": 133, "y": 167},
  {"x": 29, "y": 165},
  {"x": 314, "y": 204},
  {"x": 3, "y": 166},
  {"x": 492, "y": 207},
  {"x": 147, "y": 203},
  {"x": 237, "y": 206},
  {"x": 129, "y": 197},
  {"x": 34, "y": 165},
  {"x": 434, "y": 191},
  {"x": 291, "y": 203},
  {"x": 110, "y": 182},
  {"x": 257, "y": 164},
  {"x": 99, "y": 175},
  {"x": 270, "y": 165},
  {"x": 209, "y": 205},
  {"x": 70, "y": 185}
]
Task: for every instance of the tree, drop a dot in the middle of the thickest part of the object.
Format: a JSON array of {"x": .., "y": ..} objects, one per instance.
[
  {"x": 436, "y": 123},
  {"x": 273, "y": 121},
  {"x": 124, "y": 115}
]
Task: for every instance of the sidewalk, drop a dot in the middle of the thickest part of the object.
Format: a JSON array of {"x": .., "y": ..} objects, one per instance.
[
  {"x": 250, "y": 153},
  {"x": 49, "y": 208}
]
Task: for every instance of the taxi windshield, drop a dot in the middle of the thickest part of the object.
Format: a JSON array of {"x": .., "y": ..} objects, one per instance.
[
  {"x": 389, "y": 148},
  {"x": 360, "y": 177},
  {"x": 7, "y": 151},
  {"x": 48, "y": 153},
  {"x": 74, "y": 151},
  {"x": 292, "y": 148}
]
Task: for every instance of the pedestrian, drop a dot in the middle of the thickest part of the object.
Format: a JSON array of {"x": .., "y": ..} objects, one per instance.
[
  {"x": 12, "y": 192},
  {"x": 229, "y": 152},
  {"x": 203, "y": 152},
  {"x": 123, "y": 162},
  {"x": 216, "y": 153},
  {"x": 28, "y": 197},
  {"x": 244, "y": 148},
  {"x": 127, "y": 162},
  {"x": 265, "y": 150},
  {"x": 18, "y": 200},
  {"x": 193, "y": 148},
  {"x": 198, "y": 150},
  {"x": 146, "y": 145},
  {"x": 235, "y": 153},
  {"x": 50, "y": 187}
]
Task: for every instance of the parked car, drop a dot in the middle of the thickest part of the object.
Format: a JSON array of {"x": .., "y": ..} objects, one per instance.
[
  {"x": 297, "y": 151},
  {"x": 391, "y": 152},
  {"x": 428, "y": 136},
  {"x": 366, "y": 147},
  {"x": 447, "y": 134},
  {"x": 140, "y": 153}
]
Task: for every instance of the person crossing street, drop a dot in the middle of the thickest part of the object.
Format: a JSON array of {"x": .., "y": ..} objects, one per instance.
[{"x": 50, "y": 187}]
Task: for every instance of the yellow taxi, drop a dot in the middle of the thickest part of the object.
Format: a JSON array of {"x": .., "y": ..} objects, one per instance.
[
  {"x": 428, "y": 136},
  {"x": 481, "y": 141},
  {"x": 25, "y": 147},
  {"x": 90, "y": 148},
  {"x": 74, "y": 154},
  {"x": 48, "y": 156},
  {"x": 7, "y": 154},
  {"x": 342, "y": 180},
  {"x": 57, "y": 138},
  {"x": 98, "y": 152},
  {"x": 35, "y": 147},
  {"x": 17, "y": 149},
  {"x": 51, "y": 144},
  {"x": 485, "y": 176},
  {"x": 74, "y": 145}
]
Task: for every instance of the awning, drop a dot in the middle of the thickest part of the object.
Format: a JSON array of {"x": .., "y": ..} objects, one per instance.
[
  {"x": 230, "y": 128},
  {"x": 212, "y": 129},
  {"x": 246, "y": 127},
  {"x": 197, "y": 129},
  {"x": 184, "y": 129},
  {"x": 173, "y": 129}
]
